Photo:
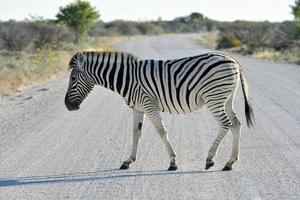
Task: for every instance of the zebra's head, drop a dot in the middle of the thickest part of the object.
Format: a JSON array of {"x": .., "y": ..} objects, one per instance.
[{"x": 80, "y": 83}]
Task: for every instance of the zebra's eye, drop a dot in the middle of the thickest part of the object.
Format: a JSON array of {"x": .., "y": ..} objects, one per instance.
[{"x": 73, "y": 78}]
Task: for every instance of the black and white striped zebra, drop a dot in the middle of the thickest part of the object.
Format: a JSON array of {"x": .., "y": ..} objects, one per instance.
[{"x": 173, "y": 86}]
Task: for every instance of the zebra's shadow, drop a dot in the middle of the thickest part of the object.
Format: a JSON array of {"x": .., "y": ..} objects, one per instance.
[{"x": 112, "y": 174}]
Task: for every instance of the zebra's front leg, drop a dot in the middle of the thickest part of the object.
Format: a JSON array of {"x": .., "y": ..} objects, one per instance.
[
  {"x": 138, "y": 118},
  {"x": 158, "y": 124}
]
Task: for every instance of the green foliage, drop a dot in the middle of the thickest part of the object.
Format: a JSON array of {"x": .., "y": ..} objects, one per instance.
[
  {"x": 228, "y": 40},
  {"x": 195, "y": 16},
  {"x": 296, "y": 13},
  {"x": 80, "y": 16},
  {"x": 296, "y": 10}
]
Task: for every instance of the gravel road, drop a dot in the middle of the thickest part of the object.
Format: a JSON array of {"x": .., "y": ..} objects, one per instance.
[{"x": 47, "y": 152}]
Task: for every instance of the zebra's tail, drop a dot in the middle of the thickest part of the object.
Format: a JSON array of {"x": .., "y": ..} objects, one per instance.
[{"x": 248, "y": 109}]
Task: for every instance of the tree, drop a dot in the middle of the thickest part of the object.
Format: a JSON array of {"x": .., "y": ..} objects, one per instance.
[
  {"x": 79, "y": 16},
  {"x": 296, "y": 13},
  {"x": 296, "y": 10},
  {"x": 195, "y": 16}
]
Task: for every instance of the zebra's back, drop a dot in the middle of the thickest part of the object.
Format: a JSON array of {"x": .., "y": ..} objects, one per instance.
[{"x": 184, "y": 85}]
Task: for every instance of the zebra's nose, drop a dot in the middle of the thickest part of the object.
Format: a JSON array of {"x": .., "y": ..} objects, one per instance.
[{"x": 70, "y": 105}]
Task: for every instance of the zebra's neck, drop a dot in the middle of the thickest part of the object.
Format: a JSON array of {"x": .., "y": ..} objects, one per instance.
[{"x": 112, "y": 70}]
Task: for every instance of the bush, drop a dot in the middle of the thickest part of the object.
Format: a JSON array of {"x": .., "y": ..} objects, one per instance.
[
  {"x": 120, "y": 27},
  {"x": 49, "y": 35},
  {"x": 99, "y": 30},
  {"x": 228, "y": 41},
  {"x": 258, "y": 35},
  {"x": 147, "y": 28},
  {"x": 14, "y": 36},
  {"x": 19, "y": 36}
]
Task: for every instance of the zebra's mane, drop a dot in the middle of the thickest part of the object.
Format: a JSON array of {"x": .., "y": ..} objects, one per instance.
[{"x": 119, "y": 55}]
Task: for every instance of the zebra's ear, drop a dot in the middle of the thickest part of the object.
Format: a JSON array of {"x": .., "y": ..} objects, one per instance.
[{"x": 80, "y": 61}]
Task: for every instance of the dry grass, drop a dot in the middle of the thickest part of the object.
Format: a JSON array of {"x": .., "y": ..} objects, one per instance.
[
  {"x": 209, "y": 39},
  {"x": 23, "y": 69},
  {"x": 291, "y": 55},
  {"x": 267, "y": 54}
]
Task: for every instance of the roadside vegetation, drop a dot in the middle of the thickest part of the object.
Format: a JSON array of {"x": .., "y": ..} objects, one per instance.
[
  {"x": 276, "y": 41},
  {"x": 36, "y": 49}
]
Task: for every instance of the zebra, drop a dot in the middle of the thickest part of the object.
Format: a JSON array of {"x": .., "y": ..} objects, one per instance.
[{"x": 175, "y": 86}]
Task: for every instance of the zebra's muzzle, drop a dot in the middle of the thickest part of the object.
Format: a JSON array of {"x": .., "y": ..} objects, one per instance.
[{"x": 70, "y": 105}]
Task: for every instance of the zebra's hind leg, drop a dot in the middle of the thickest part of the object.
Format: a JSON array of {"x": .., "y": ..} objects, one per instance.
[
  {"x": 217, "y": 108},
  {"x": 158, "y": 124},
  {"x": 138, "y": 118},
  {"x": 235, "y": 129}
]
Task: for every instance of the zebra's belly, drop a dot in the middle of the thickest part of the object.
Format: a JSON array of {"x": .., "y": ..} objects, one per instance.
[
  {"x": 171, "y": 109},
  {"x": 181, "y": 108}
]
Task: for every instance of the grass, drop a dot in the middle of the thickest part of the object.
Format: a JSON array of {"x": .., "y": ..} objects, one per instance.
[
  {"x": 208, "y": 39},
  {"x": 18, "y": 70},
  {"x": 290, "y": 55},
  {"x": 270, "y": 54}
]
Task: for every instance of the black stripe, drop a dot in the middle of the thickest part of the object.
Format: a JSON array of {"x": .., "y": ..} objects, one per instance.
[
  {"x": 120, "y": 75},
  {"x": 216, "y": 99},
  {"x": 100, "y": 69},
  {"x": 112, "y": 73},
  {"x": 216, "y": 79},
  {"x": 87, "y": 64},
  {"x": 217, "y": 72},
  {"x": 131, "y": 77},
  {"x": 153, "y": 69},
  {"x": 220, "y": 85},
  {"x": 170, "y": 85},
  {"x": 105, "y": 70},
  {"x": 209, "y": 68},
  {"x": 91, "y": 63},
  {"x": 186, "y": 75},
  {"x": 188, "y": 92},
  {"x": 145, "y": 75},
  {"x": 182, "y": 65},
  {"x": 173, "y": 62},
  {"x": 127, "y": 78},
  {"x": 219, "y": 93},
  {"x": 184, "y": 79},
  {"x": 160, "y": 72},
  {"x": 134, "y": 86},
  {"x": 96, "y": 67},
  {"x": 220, "y": 106}
]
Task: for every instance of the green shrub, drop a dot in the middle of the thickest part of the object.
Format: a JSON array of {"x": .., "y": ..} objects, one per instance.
[
  {"x": 227, "y": 40},
  {"x": 79, "y": 15}
]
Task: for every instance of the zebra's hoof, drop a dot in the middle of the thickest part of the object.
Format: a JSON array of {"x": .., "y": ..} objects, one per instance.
[
  {"x": 209, "y": 165},
  {"x": 125, "y": 166},
  {"x": 227, "y": 168},
  {"x": 173, "y": 167}
]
